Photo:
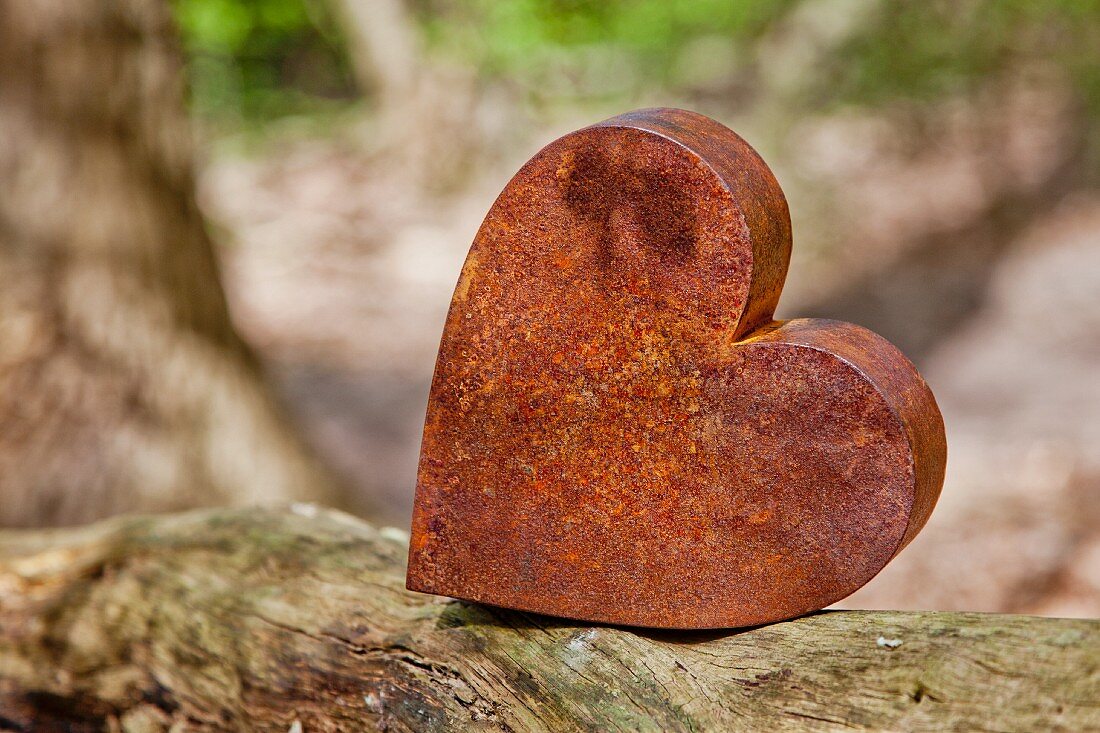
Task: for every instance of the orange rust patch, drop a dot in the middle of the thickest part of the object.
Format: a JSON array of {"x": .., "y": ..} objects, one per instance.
[{"x": 617, "y": 429}]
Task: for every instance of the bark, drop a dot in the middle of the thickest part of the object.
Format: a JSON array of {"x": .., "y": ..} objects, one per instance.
[
  {"x": 122, "y": 382},
  {"x": 261, "y": 620}
]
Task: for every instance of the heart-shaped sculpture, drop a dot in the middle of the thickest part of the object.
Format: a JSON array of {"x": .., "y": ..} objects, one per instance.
[{"x": 619, "y": 432}]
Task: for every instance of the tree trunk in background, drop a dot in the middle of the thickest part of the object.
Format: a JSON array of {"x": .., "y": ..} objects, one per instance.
[
  {"x": 428, "y": 113},
  {"x": 384, "y": 50},
  {"x": 123, "y": 385}
]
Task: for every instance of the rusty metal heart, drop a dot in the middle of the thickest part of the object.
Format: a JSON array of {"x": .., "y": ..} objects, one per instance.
[{"x": 619, "y": 432}]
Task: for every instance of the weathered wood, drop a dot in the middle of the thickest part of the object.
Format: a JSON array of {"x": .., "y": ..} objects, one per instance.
[{"x": 256, "y": 620}]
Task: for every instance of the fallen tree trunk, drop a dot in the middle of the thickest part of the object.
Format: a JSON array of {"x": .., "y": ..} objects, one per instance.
[{"x": 298, "y": 620}]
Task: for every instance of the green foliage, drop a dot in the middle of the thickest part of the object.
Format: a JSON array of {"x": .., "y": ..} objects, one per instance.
[
  {"x": 581, "y": 47},
  {"x": 257, "y": 59},
  {"x": 905, "y": 49},
  {"x": 921, "y": 50}
]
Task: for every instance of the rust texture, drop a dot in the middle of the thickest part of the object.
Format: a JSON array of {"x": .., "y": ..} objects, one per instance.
[{"x": 619, "y": 432}]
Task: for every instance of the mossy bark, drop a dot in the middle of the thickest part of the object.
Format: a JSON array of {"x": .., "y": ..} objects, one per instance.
[{"x": 256, "y": 620}]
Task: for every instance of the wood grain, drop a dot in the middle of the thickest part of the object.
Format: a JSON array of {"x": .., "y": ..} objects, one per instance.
[{"x": 255, "y": 620}]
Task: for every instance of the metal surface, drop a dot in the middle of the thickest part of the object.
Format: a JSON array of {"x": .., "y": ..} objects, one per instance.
[{"x": 618, "y": 431}]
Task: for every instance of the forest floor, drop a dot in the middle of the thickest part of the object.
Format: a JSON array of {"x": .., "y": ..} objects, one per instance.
[{"x": 341, "y": 275}]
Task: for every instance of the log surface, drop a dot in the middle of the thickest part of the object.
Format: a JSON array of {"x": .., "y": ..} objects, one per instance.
[{"x": 298, "y": 619}]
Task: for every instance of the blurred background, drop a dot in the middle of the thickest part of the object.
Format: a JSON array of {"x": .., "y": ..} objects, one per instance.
[{"x": 230, "y": 230}]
